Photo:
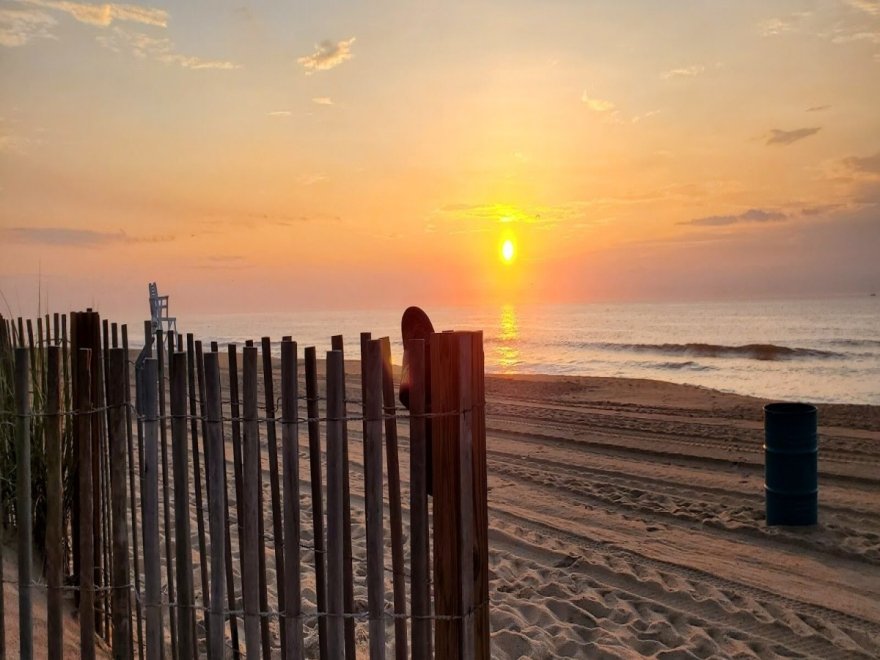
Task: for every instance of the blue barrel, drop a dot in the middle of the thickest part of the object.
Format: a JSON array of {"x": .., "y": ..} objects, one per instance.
[{"x": 791, "y": 464}]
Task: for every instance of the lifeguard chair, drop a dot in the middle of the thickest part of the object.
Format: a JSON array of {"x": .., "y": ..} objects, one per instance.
[{"x": 159, "y": 312}]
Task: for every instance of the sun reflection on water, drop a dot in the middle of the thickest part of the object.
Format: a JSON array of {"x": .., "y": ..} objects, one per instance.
[{"x": 507, "y": 348}]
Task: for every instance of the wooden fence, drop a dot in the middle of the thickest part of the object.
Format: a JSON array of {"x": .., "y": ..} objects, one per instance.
[{"x": 167, "y": 520}]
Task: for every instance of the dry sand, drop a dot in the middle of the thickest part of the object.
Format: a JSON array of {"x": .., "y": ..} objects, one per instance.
[{"x": 626, "y": 520}]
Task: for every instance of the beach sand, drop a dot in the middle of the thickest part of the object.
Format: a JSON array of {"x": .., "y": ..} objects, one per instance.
[{"x": 626, "y": 520}]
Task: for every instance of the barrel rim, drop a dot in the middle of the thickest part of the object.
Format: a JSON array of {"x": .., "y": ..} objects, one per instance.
[{"x": 790, "y": 408}]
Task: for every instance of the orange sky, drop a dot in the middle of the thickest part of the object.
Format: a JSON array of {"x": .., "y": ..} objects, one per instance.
[{"x": 329, "y": 155}]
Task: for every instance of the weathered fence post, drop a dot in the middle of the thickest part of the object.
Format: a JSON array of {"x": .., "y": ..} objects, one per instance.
[
  {"x": 460, "y": 518},
  {"x": 186, "y": 646},
  {"x": 150, "y": 503},
  {"x": 418, "y": 496},
  {"x": 54, "y": 508},
  {"x": 335, "y": 519},
  {"x": 393, "y": 461},
  {"x": 250, "y": 513},
  {"x": 117, "y": 384},
  {"x": 293, "y": 648},
  {"x": 214, "y": 478},
  {"x": 23, "y": 513},
  {"x": 86, "y": 503},
  {"x": 371, "y": 366},
  {"x": 311, "y": 365}
]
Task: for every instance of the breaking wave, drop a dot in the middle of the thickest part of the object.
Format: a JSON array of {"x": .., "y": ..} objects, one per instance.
[{"x": 748, "y": 351}]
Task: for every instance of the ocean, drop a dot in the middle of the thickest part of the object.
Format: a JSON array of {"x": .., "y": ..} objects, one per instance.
[{"x": 822, "y": 351}]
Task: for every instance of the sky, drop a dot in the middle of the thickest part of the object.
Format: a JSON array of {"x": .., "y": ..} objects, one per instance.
[{"x": 270, "y": 155}]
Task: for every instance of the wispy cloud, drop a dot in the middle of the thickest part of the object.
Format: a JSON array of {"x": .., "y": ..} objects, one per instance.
[
  {"x": 868, "y": 6},
  {"x": 65, "y": 236},
  {"x": 322, "y": 100},
  {"x": 818, "y": 108},
  {"x": 597, "y": 104},
  {"x": 772, "y": 27},
  {"x": 683, "y": 72},
  {"x": 777, "y": 136},
  {"x": 864, "y": 164},
  {"x": 279, "y": 113},
  {"x": 106, "y": 13},
  {"x": 327, "y": 55},
  {"x": 752, "y": 215},
  {"x": 642, "y": 117},
  {"x": 160, "y": 49},
  {"x": 19, "y": 26}
]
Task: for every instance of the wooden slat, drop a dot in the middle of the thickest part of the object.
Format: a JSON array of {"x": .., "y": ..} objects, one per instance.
[
  {"x": 337, "y": 344},
  {"x": 418, "y": 497},
  {"x": 392, "y": 459},
  {"x": 86, "y": 539},
  {"x": 336, "y": 468},
  {"x": 121, "y": 568},
  {"x": 193, "y": 382},
  {"x": 274, "y": 487},
  {"x": 186, "y": 642},
  {"x": 54, "y": 509},
  {"x": 150, "y": 503},
  {"x": 236, "y": 465},
  {"x": 129, "y": 438},
  {"x": 466, "y": 490},
  {"x": 23, "y": 511},
  {"x": 166, "y": 496},
  {"x": 371, "y": 370},
  {"x": 215, "y": 470},
  {"x": 481, "y": 512},
  {"x": 250, "y": 549},
  {"x": 314, "y": 426},
  {"x": 292, "y": 642}
]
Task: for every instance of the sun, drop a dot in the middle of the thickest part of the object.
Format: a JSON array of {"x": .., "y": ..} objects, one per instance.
[{"x": 508, "y": 251}]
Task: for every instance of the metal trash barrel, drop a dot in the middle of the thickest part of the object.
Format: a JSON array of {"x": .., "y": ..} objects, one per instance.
[{"x": 791, "y": 464}]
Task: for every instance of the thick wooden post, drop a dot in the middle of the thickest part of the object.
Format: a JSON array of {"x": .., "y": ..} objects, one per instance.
[
  {"x": 150, "y": 503},
  {"x": 23, "y": 512},
  {"x": 215, "y": 469},
  {"x": 54, "y": 509},
  {"x": 389, "y": 398},
  {"x": 250, "y": 513},
  {"x": 371, "y": 369},
  {"x": 186, "y": 643},
  {"x": 116, "y": 401},
  {"x": 337, "y": 344},
  {"x": 418, "y": 497},
  {"x": 447, "y": 488},
  {"x": 293, "y": 647},
  {"x": 311, "y": 365},
  {"x": 335, "y": 515}
]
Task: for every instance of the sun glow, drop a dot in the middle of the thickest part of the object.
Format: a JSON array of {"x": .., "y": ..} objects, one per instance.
[{"x": 508, "y": 251}]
